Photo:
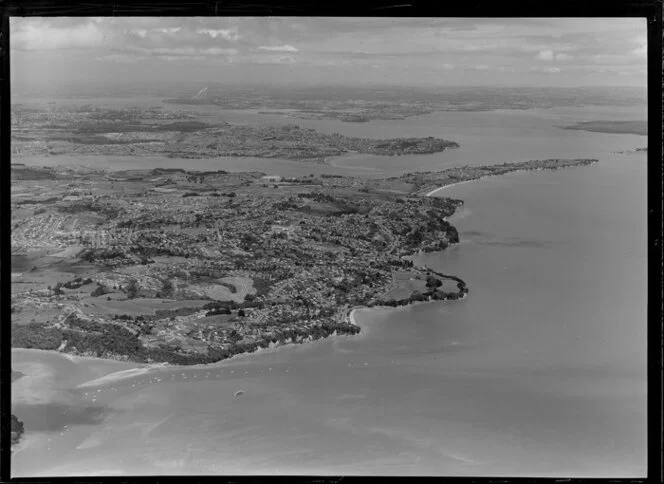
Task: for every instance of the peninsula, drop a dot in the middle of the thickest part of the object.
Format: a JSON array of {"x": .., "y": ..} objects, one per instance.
[
  {"x": 612, "y": 127},
  {"x": 184, "y": 267},
  {"x": 92, "y": 130}
]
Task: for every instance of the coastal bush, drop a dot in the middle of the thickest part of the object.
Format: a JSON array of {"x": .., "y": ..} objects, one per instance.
[
  {"x": 217, "y": 304},
  {"x": 166, "y": 289},
  {"x": 92, "y": 255},
  {"x": 214, "y": 312},
  {"x": 433, "y": 282},
  {"x": 35, "y": 335},
  {"x": 82, "y": 324},
  {"x": 100, "y": 290},
  {"x": 106, "y": 339},
  {"x": 132, "y": 289},
  {"x": 218, "y": 354},
  {"x": 168, "y": 313},
  {"x": 76, "y": 283},
  {"x": 57, "y": 290},
  {"x": 17, "y": 429}
]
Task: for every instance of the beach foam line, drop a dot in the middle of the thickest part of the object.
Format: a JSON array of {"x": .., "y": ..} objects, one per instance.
[{"x": 115, "y": 377}]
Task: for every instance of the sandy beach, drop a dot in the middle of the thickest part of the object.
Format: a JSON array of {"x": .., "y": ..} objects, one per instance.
[
  {"x": 432, "y": 192},
  {"x": 46, "y": 372}
]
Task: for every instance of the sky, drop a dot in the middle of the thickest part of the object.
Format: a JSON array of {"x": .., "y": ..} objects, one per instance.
[{"x": 354, "y": 51}]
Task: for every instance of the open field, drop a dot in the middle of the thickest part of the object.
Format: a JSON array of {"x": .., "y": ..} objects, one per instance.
[{"x": 404, "y": 284}]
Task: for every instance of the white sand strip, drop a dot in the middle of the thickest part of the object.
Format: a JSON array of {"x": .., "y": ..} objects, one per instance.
[
  {"x": 432, "y": 192},
  {"x": 116, "y": 376}
]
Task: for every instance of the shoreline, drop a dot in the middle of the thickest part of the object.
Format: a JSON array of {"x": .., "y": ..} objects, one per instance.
[
  {"x": 430, "y": 296},
  {"x": 519, "y": 170},
  {"x": 142, "y": 369},
  {"x": 145, "y": 368},
  {"x": 349, "y": 318}
]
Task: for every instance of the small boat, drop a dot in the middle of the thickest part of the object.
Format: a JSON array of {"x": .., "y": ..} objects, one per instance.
[{"x": 239, "y": 392}]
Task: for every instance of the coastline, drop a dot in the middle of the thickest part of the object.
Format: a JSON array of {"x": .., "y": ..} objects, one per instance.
[
  {"x": 352, "y": 328},
  {"x": 351, "y": 317},
  {"x": 146, "y": 368},
  {"x": 514, "y": 170}
]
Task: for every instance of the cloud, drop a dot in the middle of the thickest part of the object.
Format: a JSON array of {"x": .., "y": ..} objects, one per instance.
[
  {"x": 140, "y": 32},
  {"x": 545, "y": 55},
  {"x": 456, "y": 48},
  {"x": 226, "y": 34},
  {"x": 163, "y": 30},
  {"x": 40, "y": 35},
  {"x": 278, "y": 48},
  {"x": 188, "y": 51},
  {"x": 286, "y": 59},
  {"x": 168, "y": 30}
]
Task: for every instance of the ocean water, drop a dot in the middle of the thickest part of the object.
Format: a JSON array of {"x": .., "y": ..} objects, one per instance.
[{"x": 540, "y": 371}]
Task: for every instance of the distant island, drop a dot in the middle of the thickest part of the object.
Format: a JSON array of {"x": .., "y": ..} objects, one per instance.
[
  {"x": 362, "y": 105},
  {"x": 630, "y": 152},
  {"x": 91, "y": 130},
  {"x": 612, "y": 127},
  {"x": 192, "y": 267}
]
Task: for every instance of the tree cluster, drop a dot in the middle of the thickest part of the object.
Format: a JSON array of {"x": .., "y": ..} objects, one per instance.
[
  {"x": 17, "y": 429},
  {"x": 76, "y": 283}
]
